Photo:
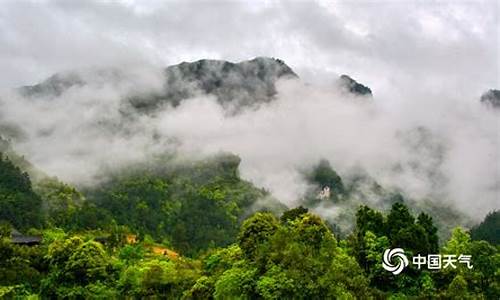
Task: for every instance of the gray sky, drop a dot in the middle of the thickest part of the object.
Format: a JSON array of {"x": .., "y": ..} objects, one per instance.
[{"x": 392, "y": 46}]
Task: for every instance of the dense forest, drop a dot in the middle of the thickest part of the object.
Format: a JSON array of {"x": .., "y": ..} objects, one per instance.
[{"x": 196, "y": 230}]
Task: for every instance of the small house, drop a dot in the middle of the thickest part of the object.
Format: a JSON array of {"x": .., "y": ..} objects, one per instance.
[{"x": 324, "y": 193}]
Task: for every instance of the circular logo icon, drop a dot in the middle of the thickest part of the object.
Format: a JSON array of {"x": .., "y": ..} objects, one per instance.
[{"x": 401, "y": 262}]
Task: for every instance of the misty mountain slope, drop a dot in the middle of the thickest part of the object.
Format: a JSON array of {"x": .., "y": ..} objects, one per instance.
[
  {"x": 97, "y": 120},
  {"x": 243, "y": 83},
  {"x": 491, "y": 98},
  {"x": 20, "y": 161},
  {"x": 19, "y": 204},
  {"x": 352, "y": 86},
  {"x": 53, "y": 86},
  {"x": 337, "y": 199},
  {"x": 234, "y": 85},
  {"x": 192, "y": 204},
  {"x": 488, "y": 229}
]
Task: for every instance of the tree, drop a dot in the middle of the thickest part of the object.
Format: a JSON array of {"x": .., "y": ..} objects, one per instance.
[
  {"x": 412, "y": 238},
  {"x": 237, "y": 283},
  {"x": 458, "y": 242},
  {"x": 293, "y": 214},
  {"x": 489, "y": 229},
  {"x": 256, "y": 230},
  {"x": 374, "y": 248},
  {"x": 60, "y": 251},
  {"x": 157, "y": 277},
  {"x": 19, "y": 205},
  {"x": 458, "y": 289},
  {"x": 87, "y": 264},
  {"x": 368, "y": 219},
  {"x": 61, "y": 201},
  {"x": 484, "y": 277},
  {"x": 17, "y": 265},
  {"x": 399, "y": 218},
  {"x": 425, "y": 221}
]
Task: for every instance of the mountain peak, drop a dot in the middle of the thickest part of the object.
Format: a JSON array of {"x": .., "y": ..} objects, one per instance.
[
  {"x": 491, "y": 98},
  {"x": 240, "y": 84},
  {"x": 235, "y": 85},
  {"x": 354, "y": 87}
]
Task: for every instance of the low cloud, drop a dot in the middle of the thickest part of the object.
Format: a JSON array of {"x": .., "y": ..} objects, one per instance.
[{"x": 445, "y": 149}]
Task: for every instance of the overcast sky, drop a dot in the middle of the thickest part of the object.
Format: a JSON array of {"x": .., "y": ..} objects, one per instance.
[{"x": 392, "y": 46}]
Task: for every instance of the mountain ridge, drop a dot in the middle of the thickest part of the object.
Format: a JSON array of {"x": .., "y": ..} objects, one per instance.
[{"x": 235, "y": 85}]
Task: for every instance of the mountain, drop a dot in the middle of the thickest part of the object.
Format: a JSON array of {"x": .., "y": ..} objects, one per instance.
[
  {"x": 491, "y": 98},
  {"x": 20, "y": 205},
  {"x": 233, "y": 84},
  {"x": 19, "y": 161},
  {"x": 352, "y": 86},
  {"x": 245, "y": 82},
  {"x": 54, "y": 86}
]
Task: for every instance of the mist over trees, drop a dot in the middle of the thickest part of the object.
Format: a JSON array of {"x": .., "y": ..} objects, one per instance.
[
  {"x": 152, "y": 206},
  {"x": 194, "y": 236}
]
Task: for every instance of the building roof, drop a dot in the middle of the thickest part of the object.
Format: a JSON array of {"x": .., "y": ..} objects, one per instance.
[
  {"x": 18, "y": 238},
  {"x": 15, "y": 232},
  {"x": 26, "y": 239}
]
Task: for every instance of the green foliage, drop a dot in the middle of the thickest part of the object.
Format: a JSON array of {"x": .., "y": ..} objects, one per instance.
[
  {"x": 87, "y": 264},
  {"x": 458, "y": 243},
  {"x": 484, "y": 276},
  {"x": 131, "y": 253},
  {"x": 155, "y": 277},
  {"x": 19, "y": 266},
  {"x": 275, "y": 284},
  {"x": 53, "y": 234},
  {"x": 19, "y": 205},
  {"x": 194, "y": 206},
  {"x": 323, "y": 175},
  {"x": 77, "y": 269},
  {"x": 5, "y": 230},
  {"x": 293, "y": 214},
  {"x": 60, "y": 251},
  {"x": 489, "y": 229},
  {"x": 198, "y": 209},
  {"x": 374, "y": 233},
  {"x": 295, "y": 259},
  {"x": 425, "y": 221},
  {"x": 399, "y": 218},
  {"x": 237, "y": 283},
  {"x": 61, "y": 201},
  {"x": 368, "y": 219},
  {"x": 458, "y": 289},
  {"x": 399, "y": 227},
  {"x": 256, "y": 230}
]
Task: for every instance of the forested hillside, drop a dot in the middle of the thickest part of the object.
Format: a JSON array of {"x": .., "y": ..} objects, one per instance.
[
  {"x": 160, "y": 191},
  {"x": 195, "y": 236}
]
